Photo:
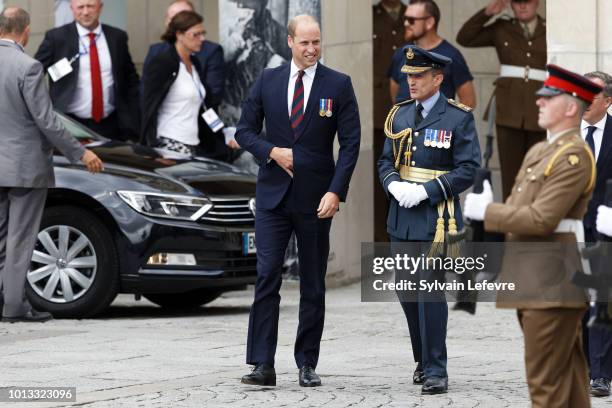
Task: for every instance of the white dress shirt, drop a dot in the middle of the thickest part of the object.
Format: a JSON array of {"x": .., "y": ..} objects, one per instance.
[
  {"x": 597, "y": 134},
  {"x": 307, "y": 78},
  {"x": 177, "y": 117},
  {"x": 82, "y": 101}
]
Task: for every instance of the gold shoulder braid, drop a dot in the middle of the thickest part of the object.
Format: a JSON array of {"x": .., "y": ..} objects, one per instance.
[
  {"x": 402, "y": 135},
  {"x": 459, "y": 105},
  {"x": 560, "y": 151}
]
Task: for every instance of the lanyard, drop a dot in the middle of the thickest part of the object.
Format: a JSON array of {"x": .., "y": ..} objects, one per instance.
[
  {"x": 195, "y": 83},
  {"x": 85, "y": 48}
]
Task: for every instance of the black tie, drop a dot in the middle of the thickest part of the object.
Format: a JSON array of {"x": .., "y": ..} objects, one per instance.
[
  {"x": 418, "y": 116},
  {"x": 589, "y": 138}
]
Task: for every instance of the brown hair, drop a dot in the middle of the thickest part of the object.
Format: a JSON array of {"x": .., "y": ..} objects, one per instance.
[
  {"x": 431, "y": 8},
  {"x": 180, "y": 23}
]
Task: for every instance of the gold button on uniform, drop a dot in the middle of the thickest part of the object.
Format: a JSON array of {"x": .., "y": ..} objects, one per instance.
[
  {"x": 529, "y": 43},
  {"x": 529, "y": 170},
  {"x": 393, "y": 32},
  {"x": 414, "y": 148},
  {"x": 533, "y": 178},
  {"x": 416, "y": 133},
  {"x": 519, "y": 189},
  {"x": 413, "y": 163},
  {"x": 505, "y": 43},
  {"x": 394, "y": 47},
  {"x": 528, "y": 54}
]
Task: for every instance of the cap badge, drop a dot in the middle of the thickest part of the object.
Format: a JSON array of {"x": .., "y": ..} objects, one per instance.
[{"x": 409, "y": 54}]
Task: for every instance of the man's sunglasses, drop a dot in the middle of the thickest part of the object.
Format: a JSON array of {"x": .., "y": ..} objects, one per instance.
[{"x": 412, "y": 20}]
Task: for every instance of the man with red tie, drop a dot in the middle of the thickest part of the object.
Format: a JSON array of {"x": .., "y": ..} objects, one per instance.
[
  {"x": 299, "y": 187},
  {"x": 95, "y": 81}
]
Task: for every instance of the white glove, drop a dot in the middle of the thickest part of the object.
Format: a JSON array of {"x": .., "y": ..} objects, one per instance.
[
  {"x": 416, "y": 194},
  {"x": 604, "y": 220},
  {"x": 476, "y": 204},
  {"x": 396, "y": 189}
]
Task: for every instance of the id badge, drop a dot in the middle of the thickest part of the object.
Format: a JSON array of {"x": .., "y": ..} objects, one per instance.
[
  {"x": 60, "y": 69},
  {"x": 212, "y": 120}
]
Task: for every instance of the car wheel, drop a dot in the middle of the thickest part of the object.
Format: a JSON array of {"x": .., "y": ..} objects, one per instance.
[
  {"x": 74, "y": 267},
  {"x": 187, "y": 300}
]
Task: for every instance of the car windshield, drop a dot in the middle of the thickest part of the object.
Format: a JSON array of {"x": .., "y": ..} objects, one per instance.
[{"x": 82, "y": 133}]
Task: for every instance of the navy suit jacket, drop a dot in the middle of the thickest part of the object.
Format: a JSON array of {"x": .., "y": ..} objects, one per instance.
[
  {"x": 461, "y": 159},
  {"x": 212, "y": 69},
  {"x": 63, "y": 42},
  {"x": 315, "y": 172},
  {"x": 604, "y": 173}
]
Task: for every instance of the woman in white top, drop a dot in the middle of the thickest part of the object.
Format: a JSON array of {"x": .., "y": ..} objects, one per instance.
[{"x": 173, "y": 94}]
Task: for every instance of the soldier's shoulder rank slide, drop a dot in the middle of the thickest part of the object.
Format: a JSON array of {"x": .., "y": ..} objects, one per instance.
[
  {"x": 439, "y": 138},
  {"x": 406, "y": 102},
  {"x": 459, "y": 105}
]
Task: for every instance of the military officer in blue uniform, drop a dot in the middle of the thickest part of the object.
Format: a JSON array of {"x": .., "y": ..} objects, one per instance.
[{"x": 429, "y": 158}]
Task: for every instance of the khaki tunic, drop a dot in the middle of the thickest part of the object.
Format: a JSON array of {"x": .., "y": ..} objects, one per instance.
[
  {"x": 555, "y": 181},
  {"x": 388, "y": 36},
  {"x": 515, "y": 97}
]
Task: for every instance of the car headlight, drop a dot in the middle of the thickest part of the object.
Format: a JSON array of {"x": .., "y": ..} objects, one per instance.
[{"x": 180, "y": 207}]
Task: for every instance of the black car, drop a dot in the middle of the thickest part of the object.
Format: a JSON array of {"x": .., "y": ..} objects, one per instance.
[{"x": 180, "y": 232}]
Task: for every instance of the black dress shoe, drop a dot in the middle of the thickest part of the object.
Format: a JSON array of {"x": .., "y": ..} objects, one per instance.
[
  {"x": 600, "y": 387},
  {"x": 31, "y": 316},
  {"x": 308, "y": 377},
  {"x": 262, "y": 374},
  {"x": 435, "y": 385},
  {"x": 418, "y": 377}
]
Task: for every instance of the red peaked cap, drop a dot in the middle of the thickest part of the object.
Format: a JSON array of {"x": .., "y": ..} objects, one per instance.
[{"x": 560, "y": 81}]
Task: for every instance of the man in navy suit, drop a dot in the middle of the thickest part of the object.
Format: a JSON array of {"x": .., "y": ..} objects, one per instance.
[
  {"x": 428, "y": 159},
  {"x": 102, "y": 91},
  {"x": 596, "y": 129},
  {"x": 299, "y": 187}
]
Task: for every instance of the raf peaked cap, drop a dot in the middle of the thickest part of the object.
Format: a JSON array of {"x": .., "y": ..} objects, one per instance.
[
  {"x": 562, "y": 81},
  {"x": 419, "y": 60}
]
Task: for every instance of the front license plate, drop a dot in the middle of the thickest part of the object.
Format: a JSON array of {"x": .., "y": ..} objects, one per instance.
[{"x": 248, "y": 243}]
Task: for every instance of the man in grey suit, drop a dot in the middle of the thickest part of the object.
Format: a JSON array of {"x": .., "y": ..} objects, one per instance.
[{"x": 30, "y": 128}]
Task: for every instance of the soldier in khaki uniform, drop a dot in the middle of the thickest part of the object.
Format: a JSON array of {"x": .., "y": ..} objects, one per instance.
[
  {"x": 548, "y": 201},
  {"x": 520, "y": 43},
  {"x": 388, "y": 26}
]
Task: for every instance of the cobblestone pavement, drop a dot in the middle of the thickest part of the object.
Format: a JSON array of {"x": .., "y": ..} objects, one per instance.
[{"x": 138, "y": 355}]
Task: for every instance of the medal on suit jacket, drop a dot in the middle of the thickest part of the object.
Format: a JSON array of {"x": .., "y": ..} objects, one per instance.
[
  {"x": 448, "y": 135},
  {"x": 440, "y": 143},
  {"x": 328, "y": 111},
  {"x": 434, "y": 138},
  {"x": 427, "y": 141},
  {"x": 322, "y": 108}
]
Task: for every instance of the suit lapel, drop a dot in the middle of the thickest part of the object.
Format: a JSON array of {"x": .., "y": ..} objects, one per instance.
[
  {"x": 112, "y": 50},
  {"x": 312, "y": 104},
  {"x": 74, "y": 46},
  {"x": 606, "y": 144},
  {"x": 434, "y": 115}
]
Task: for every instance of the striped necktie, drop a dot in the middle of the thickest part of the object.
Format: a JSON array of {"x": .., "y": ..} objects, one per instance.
[{"x": 297, "y": 106}]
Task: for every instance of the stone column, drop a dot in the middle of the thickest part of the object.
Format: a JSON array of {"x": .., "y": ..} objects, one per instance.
[{"x": 347, "y": 47}]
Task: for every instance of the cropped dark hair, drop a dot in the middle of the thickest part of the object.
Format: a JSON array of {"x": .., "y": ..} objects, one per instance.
[
  {"x": 180, "y": 23},
  {"x": 431, "y": 8}
]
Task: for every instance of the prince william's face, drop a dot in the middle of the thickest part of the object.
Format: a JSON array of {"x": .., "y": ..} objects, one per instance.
[{"x": 306, "y": 44}]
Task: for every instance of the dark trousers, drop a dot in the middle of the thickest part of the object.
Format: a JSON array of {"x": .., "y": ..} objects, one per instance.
[
  {"x": 427, "y": 319},
  {"x": 107, "y": 127},
  {"x": 512, "y": 145},
  {"x": 20, "y": 213},
  {"x": 273, "y": 229}
]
